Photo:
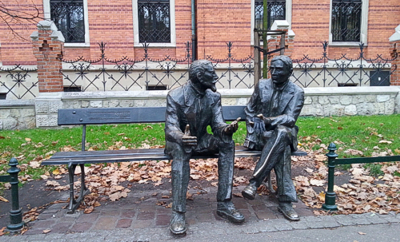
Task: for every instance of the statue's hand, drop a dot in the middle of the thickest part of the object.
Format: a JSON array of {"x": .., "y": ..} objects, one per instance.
[
  {"x": 259, "y": 125},
  {"x": 187, "y": 139},
  {"x": 232, "y": 127},
  {"x": 267, "y": 121}
]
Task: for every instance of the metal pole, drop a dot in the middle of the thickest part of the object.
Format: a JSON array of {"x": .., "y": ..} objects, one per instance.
[
  {"x": 265, "y": 41},
  {"x": 257, "y": 58},
  {"x": 330, "y": 195},
  {"x": 194, "y": 45},
  {"x": 15, "y": 212}
]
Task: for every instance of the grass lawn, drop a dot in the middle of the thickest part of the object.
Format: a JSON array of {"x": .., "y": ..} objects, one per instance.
[{"x": 364, "y": 133}]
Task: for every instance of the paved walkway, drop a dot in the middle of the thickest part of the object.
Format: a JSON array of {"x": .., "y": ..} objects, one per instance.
[{"x": 142, "y": 216}]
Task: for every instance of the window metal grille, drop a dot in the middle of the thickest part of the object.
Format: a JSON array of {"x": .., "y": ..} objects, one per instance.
[
  {"x": 154, "y": 21},
  {"x": 346, "y": 20},
  {"x": 68, "y": 16},
  {"x": 276, "y": 11}
]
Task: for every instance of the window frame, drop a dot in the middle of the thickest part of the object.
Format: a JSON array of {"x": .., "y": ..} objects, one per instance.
[
  {"x": 288, "y": 17},
  {"x": 136, "y": 26},
  {"x": 47, "y": 16},
  {"x": 363, "y": 27}
]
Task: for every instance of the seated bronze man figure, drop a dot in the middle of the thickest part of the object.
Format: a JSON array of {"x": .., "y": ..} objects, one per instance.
[
  {"x": 191, "y": 108},
  {"x": 271, "y": 116}
]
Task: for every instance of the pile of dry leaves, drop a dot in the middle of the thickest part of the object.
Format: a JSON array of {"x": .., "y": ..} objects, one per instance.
[{"x": 361, "y": 193}]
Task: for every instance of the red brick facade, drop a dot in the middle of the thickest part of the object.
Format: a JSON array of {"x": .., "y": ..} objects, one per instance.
[{"x": 217, "y": 22}]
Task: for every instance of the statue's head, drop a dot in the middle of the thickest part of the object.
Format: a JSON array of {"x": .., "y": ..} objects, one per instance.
[
  {"x": 202, "y": 72},
  {"x": 281, "y": 69}
]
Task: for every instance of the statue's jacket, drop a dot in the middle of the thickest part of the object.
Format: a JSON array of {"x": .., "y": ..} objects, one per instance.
[
  {"x": 185, "y": 105},
  {"x": 290, "y": 104}
]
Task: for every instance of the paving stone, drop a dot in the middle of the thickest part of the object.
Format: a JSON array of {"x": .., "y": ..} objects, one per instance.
[
  {"x": 255, "y": 202},
  {"x": 328, "y": 224},
  {"x": 61, "y": 227},
  {"x": 44, "y": 216},
  {"x": 81, "y": 227},
  {"x": 376, "y": 219},
  {"x": 344, "y": 220},
  {"x": 76, "y": 214},
  {"x": 109, "y": 212},
  {"x": 91, "y": 217},
  {"x": 128, "y": 213},
  {"x": 280, "y": 225},
  {"x": 240, "y": 204},
  {"x": 163, "y": 220},
  {"x": 303, "y": 212},
  {"x": 124, "y": 223},
  {"x": 142, "y": 224},
  {"x": 259, "y": 208},
  {"x": 104, "y": 223},
  {"x": 163, "y": 210},
  {"x": 34, "y": 231},
  {"x": 44, "y": 224},
  {"x": 146, "y": 215},
  {"x": 265, "y": 214},
  {"x": 300, "y": 225},
  {"x": 267, "y": 226},
  {"x": 205, "y": 217},
  {"x": 391, "y": 218}
]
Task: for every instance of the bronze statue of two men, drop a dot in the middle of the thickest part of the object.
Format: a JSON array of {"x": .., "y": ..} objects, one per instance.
[{"x": 271, "y": 116}]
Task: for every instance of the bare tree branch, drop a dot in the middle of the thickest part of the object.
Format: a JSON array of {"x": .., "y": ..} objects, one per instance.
[{"x": 12, "y": 15}]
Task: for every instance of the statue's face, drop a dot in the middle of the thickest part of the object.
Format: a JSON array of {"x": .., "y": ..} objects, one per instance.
[
  {"x": 208, "y": 78},
  {"x": 280, "y": 73}
]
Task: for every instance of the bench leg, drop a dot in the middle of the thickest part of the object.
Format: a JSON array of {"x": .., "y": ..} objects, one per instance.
[{"x": 74, "y": 203}]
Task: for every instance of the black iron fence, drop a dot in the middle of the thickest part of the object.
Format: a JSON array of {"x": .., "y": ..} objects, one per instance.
[
  {"x": 343, "y": 71},
  {"x": 19, "y": 82},
  {"x": 147, "y": 73}
]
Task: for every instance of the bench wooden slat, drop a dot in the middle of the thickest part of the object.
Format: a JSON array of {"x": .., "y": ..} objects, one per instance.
[
  {"x": 129, "y": 115},
  {"x": 105, "y": 156}
]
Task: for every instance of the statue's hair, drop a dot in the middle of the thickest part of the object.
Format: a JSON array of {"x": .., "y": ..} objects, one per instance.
[
  {"x": 197, "y": 66},
  {"x": 285, "y": 59}
]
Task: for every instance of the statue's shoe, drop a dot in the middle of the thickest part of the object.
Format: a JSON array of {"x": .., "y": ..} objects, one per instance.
[
  {"x": 288, "y": 212},
  {"x": 177, "y": 224},
  {"x": 250, "y": 191},
  {"x": 228, "y": 211}
]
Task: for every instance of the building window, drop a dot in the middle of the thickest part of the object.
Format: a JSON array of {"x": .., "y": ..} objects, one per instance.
[
  {"x": 276, "y": 11},
  {"x": 154, "y": 21},
  {"x": 346, "y": 20},
  {"x": 68, "y": 16}
]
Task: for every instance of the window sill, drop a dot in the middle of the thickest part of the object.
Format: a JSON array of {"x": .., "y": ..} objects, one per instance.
[
  {"x": 76, "y": 45},
  {"x": 156, "y": 45},
  {"x": 345, "y": 44}
]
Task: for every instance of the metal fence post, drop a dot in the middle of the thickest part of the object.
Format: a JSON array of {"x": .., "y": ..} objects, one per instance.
[
  {"x": 330, "y": 195},
  {"x": 16, "y": 211}
]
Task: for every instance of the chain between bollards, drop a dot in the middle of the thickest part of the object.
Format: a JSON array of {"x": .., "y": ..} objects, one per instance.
[{"x": 330, "y": 195}]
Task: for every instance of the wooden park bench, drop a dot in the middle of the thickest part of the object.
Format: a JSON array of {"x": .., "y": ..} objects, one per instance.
[{"x": 93, "y": 116}]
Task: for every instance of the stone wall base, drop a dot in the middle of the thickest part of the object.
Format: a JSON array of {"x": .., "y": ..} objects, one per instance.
[{"x": 339, "y": 101}]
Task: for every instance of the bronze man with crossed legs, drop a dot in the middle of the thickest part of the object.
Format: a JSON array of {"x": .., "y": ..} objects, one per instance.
[{"x": 271, "y": 116}]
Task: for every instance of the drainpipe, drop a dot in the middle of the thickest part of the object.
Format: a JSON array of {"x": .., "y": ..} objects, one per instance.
[{"x": 194, "y": 44}]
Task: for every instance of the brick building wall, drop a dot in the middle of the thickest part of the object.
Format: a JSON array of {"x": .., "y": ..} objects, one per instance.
[
  {"x": 310, "y": 22},
  {"x": 17, "y": 47},
  {"x": 218, "y": 22}
]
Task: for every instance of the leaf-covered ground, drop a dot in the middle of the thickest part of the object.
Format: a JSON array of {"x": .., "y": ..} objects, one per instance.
[{"x": 360, "y": 188}]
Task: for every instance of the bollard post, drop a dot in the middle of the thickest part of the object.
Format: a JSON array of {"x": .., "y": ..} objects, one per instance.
[
  {"x": 15, "y": 212},
  {"x": 330, "y": 195}
]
